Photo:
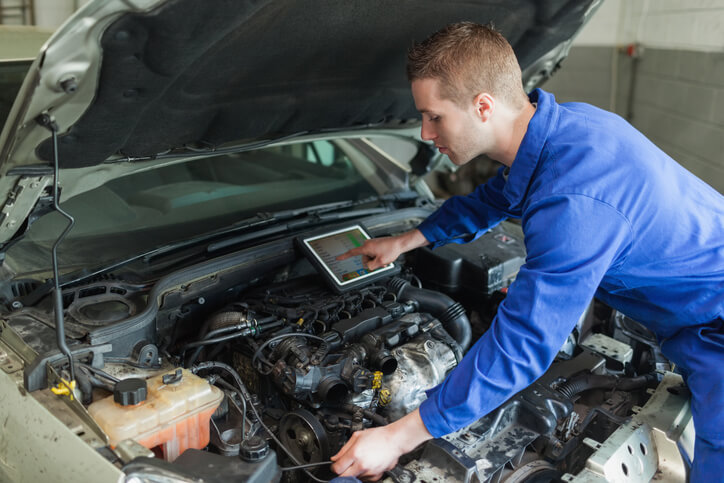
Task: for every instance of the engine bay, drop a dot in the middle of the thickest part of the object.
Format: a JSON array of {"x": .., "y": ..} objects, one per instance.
[{"x": 282, "y": 370}]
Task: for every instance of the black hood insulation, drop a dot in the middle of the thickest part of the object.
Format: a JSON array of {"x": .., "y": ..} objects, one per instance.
[{"x": 211, "y": 72}]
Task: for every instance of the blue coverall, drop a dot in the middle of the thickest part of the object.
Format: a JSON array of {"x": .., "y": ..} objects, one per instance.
[{"x": 607, "y": 214}]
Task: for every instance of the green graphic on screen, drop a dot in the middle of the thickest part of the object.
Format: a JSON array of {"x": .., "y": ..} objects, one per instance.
[{"x": 330, "y": 247}]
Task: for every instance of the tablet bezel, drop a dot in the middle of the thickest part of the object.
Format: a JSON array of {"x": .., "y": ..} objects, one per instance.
[{"x": 327, "y": 272}]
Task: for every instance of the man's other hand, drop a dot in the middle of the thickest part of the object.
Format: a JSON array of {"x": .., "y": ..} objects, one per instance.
[
  {"x": 369, "y": 453},
  {"x": 378, "y": 252}
]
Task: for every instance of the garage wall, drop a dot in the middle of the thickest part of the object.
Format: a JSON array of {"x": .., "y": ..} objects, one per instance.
[
  {"x": 52, "y": 13},
  {"x": 672, "y": 90}
]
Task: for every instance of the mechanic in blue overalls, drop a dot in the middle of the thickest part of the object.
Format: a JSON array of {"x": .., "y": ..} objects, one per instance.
[{"x": 605, "y": 213}]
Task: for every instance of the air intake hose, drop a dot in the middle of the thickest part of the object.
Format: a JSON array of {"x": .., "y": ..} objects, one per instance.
[
  {"x": 585, "y": 382},
  {"x": 450, "y": 313}
]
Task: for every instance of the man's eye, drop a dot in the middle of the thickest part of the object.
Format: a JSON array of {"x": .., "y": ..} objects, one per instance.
[{"x": 434, "y": 118}]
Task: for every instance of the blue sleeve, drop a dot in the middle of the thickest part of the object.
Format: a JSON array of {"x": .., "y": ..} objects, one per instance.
[
  {"x": 571, "y": 241},
  {"x": 463, "y": 218}
]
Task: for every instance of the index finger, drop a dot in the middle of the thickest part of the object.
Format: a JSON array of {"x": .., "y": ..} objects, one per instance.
[{"x": 351, "y": 253}]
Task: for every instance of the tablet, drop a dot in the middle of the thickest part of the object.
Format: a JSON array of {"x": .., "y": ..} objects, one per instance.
[{"x": 323, "y": 249}]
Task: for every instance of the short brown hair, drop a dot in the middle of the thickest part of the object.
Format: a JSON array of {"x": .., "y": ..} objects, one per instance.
[{"x": 468, "y": 59}]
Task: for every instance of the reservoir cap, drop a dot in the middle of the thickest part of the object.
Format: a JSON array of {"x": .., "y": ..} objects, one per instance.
[
  {"x": 130, "y": 392},
  {"x": 253, "y": 449}
]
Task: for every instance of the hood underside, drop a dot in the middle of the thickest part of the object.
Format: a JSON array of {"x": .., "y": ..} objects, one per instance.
[{"x": 206, "y": 73}]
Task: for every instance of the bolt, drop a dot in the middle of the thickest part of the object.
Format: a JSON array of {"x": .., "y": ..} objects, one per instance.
[
  {"x": 69, "y": 84},
  {"x": 466, "y": 437},
  {"x": 303, "y": 439},
  {"x": 201, "y": 301},
  {"x": 16, "y": 305},
  {"x": 404, "y": 478}
]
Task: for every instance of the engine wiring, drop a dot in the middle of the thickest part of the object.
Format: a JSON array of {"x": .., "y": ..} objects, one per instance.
[
  {"x": 244, "y": 393},
  {"x": 308, "y": 465},
  {"x": 99, "y": 372}
]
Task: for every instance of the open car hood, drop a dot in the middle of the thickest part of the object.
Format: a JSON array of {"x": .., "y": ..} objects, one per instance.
[{"x": 124, "y": 80}]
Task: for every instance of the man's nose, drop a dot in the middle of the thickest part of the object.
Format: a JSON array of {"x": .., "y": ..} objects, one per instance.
[{"x": 426, "y": 131}]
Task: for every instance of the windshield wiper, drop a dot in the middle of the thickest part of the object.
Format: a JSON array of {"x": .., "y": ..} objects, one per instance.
[
  {"x": 403, "y": 196},
  {"x": 296, "y": 218},
  {"x": 309, "y": 215},
  {"x": 311, "y": 219}
]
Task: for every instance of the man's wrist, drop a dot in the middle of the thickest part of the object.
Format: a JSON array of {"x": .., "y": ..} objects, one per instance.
[
  {"x": 410, "y": 431},
  {"x": 413, "y": 239}
]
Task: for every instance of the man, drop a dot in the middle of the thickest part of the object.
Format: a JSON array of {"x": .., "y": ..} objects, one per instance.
[{"x": 604, "y": 212}]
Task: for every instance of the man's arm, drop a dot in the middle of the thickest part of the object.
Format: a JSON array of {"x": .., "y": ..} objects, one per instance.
[
  {"x": 572, "y": 241},
  {"x": 460, "y": 215},
  {"x": 464, "y": 218}
]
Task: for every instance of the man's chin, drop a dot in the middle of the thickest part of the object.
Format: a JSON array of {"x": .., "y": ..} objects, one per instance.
[{"x": 458, "y": 161}]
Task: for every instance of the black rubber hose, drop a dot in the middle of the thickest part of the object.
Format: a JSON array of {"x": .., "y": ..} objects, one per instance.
[
  {"x": 216, "y": 321},
  {"x": 87, "y": 380},
  {"x": 223, "y": 319},
  {"x": 98, "y": 382},
  {"x": 101, "y": 373},
  {"x": 378, "y": 419},
  {"x": 238, "y": 329},
  {"x": 243, "y": 391},
  {"x": 586, "y": 382},
  {"x": 450, "y": 313}
]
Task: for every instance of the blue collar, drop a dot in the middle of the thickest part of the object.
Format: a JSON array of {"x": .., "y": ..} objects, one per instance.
[{"x": 529, "y": 152}]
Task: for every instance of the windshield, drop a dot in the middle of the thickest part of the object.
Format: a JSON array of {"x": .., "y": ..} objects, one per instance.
[{"x": 154, "y": 206}]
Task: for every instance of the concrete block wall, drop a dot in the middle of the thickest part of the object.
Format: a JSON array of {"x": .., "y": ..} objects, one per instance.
[
  {"x": 10, "y": 13},
  {"x": 679, "y": 104},
  {"x": 48, "y": 13},
  {"x": 52, "y": 13},
  {"x": 676, "y": 94}
]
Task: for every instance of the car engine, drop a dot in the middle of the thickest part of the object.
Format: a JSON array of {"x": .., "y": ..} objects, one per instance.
[{"x": 302, "y": 367}]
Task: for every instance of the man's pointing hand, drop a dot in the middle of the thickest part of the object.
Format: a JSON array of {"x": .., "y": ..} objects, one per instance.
[{"x": 379, "y": 252}]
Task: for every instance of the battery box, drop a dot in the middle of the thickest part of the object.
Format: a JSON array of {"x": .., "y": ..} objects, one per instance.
[{"x": 482, "y": 266}]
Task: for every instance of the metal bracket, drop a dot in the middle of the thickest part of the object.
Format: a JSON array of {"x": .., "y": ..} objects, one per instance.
[
  {"x": 20, "y": 203},
  {"x": 646, "y": 446},
  {"x": 36, "y": 376},
  {"x": 609, "y": 348}
]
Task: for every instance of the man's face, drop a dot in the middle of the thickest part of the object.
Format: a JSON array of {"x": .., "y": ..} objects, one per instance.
[{"x": 457, "y": 131}]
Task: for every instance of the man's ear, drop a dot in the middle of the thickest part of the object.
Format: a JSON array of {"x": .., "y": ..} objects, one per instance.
[{"x": 484, "y": 106}]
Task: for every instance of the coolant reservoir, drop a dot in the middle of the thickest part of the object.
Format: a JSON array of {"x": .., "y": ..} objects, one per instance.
[{"x": 174, "y": 416}]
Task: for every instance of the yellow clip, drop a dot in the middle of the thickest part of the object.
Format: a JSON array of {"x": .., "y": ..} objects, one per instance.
[
  {"x": 377, "y": 380},
  {"x": 64, "y": 388},
  {"x": 300, "y": 322},
  {"x": 385, "y": 397}
]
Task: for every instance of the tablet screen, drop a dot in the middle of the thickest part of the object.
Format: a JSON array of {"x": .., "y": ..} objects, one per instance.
[{"x": 327, "y": 247}]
